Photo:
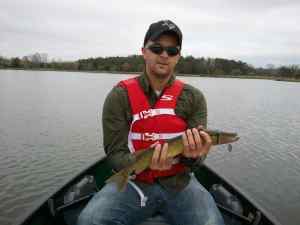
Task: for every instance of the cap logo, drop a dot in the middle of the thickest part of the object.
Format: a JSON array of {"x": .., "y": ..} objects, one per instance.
[{"x": 170, "y": 25}]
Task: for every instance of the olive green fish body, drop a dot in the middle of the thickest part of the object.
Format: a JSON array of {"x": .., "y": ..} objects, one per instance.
[{"x": 142, "y": 158}]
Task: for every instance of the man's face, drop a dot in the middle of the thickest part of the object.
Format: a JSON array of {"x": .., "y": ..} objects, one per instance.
[{"x": 160, "y": 65}]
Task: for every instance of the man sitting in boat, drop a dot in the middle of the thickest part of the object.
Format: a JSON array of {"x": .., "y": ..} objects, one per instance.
[{"x": 145, "y": 111}]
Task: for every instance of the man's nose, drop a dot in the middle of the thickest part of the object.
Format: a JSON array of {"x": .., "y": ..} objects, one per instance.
[{"x": 164, "y": 54}]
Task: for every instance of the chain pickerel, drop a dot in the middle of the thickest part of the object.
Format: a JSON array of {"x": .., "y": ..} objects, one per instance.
[{"x": 142, "y": 158}]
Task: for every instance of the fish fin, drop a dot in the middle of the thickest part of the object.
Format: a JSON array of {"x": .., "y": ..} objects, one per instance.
[
  {"x": 120, "y": 178},
  {"x": 229, "y": 147}
]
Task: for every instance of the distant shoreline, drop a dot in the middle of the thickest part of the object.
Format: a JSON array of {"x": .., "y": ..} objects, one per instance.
[{"x": 258, "y": 77}]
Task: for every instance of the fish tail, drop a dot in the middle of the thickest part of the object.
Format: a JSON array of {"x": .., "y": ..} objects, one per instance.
[{"x": 120, "y": 178}]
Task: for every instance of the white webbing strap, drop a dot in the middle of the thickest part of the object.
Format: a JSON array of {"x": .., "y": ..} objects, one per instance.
[
  {"x": 152, "y": 112},
  {"x": 143, "y": 197},
  {"x": 140, "y": 193},
  {"x": 152, "y": 136},
  {"x": 129, "y": 141},
  {"x": 130, "y": 146}
]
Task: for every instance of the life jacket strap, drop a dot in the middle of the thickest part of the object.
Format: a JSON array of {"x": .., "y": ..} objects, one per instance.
[
  {"x": 153, "y": 136},
  {"x": 152, "y": 112}
]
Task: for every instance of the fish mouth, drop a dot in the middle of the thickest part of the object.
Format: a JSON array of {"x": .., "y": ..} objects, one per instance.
[{"x": 232, "y": 137}]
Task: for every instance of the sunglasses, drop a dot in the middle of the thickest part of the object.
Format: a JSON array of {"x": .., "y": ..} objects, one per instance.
[{"x": 158, "y": 49}]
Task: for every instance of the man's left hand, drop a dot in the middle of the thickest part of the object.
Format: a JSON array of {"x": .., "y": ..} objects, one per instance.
[{"x": 196, "y": 143}]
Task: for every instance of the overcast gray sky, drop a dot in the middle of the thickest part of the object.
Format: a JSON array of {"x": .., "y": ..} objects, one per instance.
[{"x": 258, "y": 32}]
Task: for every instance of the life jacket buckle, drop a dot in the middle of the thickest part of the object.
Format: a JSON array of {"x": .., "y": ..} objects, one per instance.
[
  {"x": 147, "y": 113},
  {"x": 150, "y": 136}
]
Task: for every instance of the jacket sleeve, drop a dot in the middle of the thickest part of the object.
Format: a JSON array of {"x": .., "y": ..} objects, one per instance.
[
  {"x": 195, "y": 115},
  {"x": 116, "y": 118}
]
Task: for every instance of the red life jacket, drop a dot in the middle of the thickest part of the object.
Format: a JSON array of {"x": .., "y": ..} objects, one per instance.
[{"x": 151, "y": 124}]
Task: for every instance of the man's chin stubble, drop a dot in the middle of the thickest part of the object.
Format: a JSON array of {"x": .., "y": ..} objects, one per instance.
[{"x": 161, "y": 75}]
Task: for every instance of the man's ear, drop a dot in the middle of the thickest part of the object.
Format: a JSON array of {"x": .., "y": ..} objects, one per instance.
[
  {"x": 143, "y": 50},
  {"x": 178, "y": 56}
]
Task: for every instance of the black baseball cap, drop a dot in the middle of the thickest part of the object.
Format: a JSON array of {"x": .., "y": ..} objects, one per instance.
[{"x": 161, "y": 27}]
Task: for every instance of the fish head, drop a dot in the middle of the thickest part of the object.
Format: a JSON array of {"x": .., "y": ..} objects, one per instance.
[
  {"x": 228, "y": 137},
  {"x": 223, "y": 137}
]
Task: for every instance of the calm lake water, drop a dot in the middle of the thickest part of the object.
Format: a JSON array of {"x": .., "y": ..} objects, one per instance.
[{"x": 50, "y": 130}]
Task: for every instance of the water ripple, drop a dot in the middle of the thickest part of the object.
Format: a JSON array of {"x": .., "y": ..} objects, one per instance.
[{"x": 50, "y": 131}]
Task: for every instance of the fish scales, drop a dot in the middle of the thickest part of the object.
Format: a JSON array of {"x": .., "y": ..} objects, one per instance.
[{"x": 142, "y": 158}]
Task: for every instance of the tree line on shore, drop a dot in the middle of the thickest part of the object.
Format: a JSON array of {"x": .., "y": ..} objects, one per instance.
[{"x": 134, "y": 63}]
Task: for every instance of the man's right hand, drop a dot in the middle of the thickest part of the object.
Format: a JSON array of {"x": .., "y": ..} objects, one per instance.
[{"x": 160, "y": 160}]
